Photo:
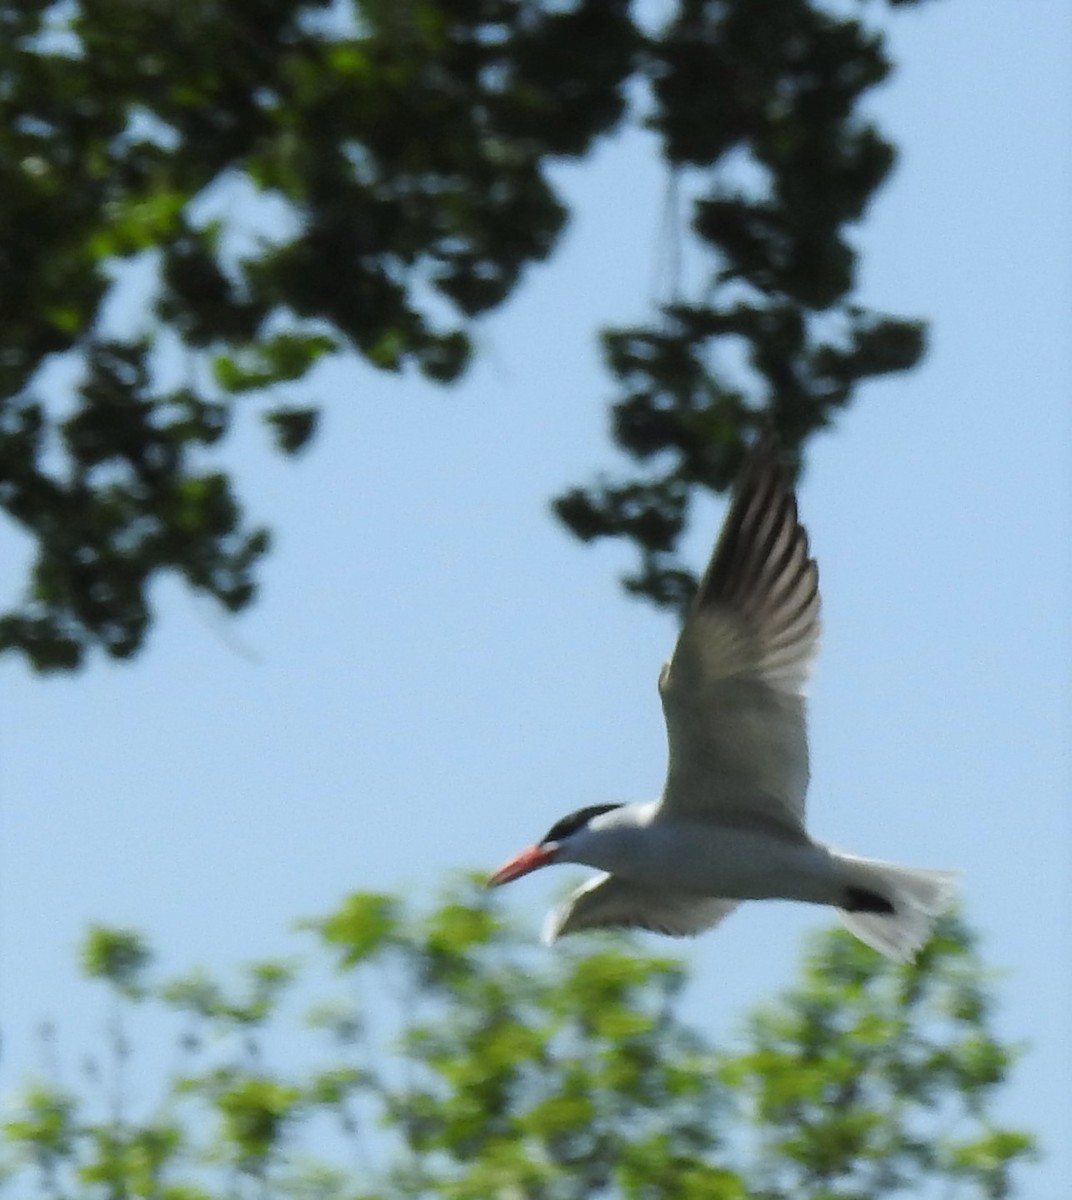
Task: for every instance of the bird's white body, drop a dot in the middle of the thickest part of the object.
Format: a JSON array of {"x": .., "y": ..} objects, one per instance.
[
  {"x": 706, "y": 860},
  {"x": 730, "y": 823}
]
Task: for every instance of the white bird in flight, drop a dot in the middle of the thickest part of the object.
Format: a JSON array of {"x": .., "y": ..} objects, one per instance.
[{"x": 729, "y": 825}]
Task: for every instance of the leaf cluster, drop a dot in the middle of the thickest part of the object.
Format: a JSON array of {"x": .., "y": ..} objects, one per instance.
[
  {"x": 757, "y": 104},
  {"x": 205, "y": 201},
  {"x": 294, "y": 179},
  {"x": 458, "y": 1060}
]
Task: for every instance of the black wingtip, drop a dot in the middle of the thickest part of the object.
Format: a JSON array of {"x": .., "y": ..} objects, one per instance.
[
  {"x": 863, "y": 900},
  {"x": 762, "y": 516}
]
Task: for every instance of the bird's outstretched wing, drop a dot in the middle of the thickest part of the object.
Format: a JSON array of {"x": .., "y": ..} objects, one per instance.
[
  {"x": 607, "y": 901},
  {"x": 733, "y": 691}
]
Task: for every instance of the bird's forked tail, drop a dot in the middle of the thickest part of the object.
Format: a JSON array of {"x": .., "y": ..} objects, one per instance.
[{"x": 893, "y": 909}]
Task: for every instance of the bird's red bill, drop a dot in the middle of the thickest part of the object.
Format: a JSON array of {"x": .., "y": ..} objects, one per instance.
[{"x": 521, "y": 864}]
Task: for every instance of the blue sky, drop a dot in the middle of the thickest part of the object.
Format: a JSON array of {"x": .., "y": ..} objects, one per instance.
[{"x": 435, "y": 672}]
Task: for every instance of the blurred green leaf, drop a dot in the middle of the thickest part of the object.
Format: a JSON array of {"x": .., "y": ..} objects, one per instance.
[
  {"x": 254, "y": 1113},
  {"x": 362, "y": 925},
  {"x": 119, "y": 956},
  {"x": 280, "y": 359},
  {"x": 44, "y": 1125}
]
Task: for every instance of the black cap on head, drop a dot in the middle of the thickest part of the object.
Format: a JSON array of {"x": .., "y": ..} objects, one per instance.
[{"x": 576, "y": 820}]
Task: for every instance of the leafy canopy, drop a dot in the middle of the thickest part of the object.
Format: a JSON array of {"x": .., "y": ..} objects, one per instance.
[
  {"x": 274, "y": 182},
  {"x": 456, "y": 1059}
]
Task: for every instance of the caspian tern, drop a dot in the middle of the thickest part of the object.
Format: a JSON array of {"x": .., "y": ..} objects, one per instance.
[{"x": 729, "y": 825}]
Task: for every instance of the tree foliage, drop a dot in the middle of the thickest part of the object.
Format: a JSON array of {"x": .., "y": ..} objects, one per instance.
[
  {"x": 457, "y": 1060},
  {"x": 296, "y": 179},
  {"x": 758, "y": 103}
]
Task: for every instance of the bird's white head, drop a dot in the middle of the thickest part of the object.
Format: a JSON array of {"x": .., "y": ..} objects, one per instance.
[{"x": 563, "y": 842}]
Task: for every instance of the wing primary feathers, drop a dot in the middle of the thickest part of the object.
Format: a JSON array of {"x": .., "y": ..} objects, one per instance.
[
  {"x": 761, "y": 566},
  {"x": 757, "y": 542},
  {"x": 739, "y": 557}
]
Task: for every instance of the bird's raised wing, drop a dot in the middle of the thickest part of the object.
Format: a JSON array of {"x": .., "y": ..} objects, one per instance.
[
  {"x": 733, "y": 691},
  {"x": 608, "y": 901}
]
